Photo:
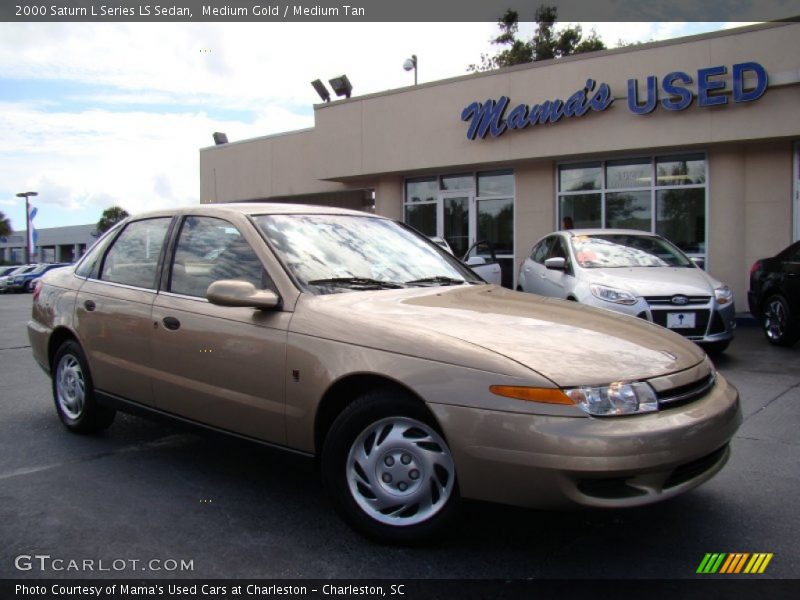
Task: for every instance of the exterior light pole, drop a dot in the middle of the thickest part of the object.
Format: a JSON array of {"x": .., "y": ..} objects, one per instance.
[
  {"x": 411, "y": 64},
  {"x": 27, "y": 195}
]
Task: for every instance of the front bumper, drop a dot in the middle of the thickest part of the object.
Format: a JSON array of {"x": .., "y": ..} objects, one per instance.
[
  {"x": 714, "y": 322},
  {"x": 546, "y": 462}
]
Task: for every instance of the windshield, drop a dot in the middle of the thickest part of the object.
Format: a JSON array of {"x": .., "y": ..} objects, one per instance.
[
  {"x": 605, "y": 251},
  {"x": 337, "y": 253}
]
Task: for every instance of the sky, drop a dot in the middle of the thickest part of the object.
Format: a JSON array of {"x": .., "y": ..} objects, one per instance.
[{"x": 95, "y": 115}]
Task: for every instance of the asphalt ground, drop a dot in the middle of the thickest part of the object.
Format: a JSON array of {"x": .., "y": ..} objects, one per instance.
[{"x": 144, "y": 491}]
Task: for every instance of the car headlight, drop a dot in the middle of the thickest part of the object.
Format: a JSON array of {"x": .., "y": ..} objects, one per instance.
[
  {"x": 723, "y": 294},
  {"x": 615, "y": 399},
  {"x": 612, "y": 294}
]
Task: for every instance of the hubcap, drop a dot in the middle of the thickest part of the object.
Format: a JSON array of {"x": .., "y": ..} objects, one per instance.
[
  {"x": 400, "y": 472},
  {"x": 775, "y": 320},
  {"x": 70, "y": 386}
]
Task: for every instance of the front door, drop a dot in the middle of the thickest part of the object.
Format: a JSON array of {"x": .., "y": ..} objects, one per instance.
[
  {"x": 219, "y": 365},
  {"x": 456, "y": 221}
]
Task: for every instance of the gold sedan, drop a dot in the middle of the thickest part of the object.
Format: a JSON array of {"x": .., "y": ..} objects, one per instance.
[{"x": 351, "y": 338}]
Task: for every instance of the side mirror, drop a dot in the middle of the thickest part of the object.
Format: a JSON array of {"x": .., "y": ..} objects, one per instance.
[
  {"x": 229, "y": 292},
  {"x": 475, "y": 261},
  {"x": 557, "y": 263}
]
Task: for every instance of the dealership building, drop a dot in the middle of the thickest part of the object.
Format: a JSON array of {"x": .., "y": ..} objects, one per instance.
[
  {"x": 694, "y": 138},
  {"x": 53, "y": 244}
]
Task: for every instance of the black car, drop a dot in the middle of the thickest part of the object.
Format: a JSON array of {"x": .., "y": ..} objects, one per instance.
[{"x": 774, "y": 295}]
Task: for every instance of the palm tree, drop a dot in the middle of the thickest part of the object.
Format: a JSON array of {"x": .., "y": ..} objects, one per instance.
[{"x": 5, "y": 225}]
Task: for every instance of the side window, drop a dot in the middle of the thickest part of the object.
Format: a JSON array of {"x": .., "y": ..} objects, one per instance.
[
  {"x": 133, "y": 257},
  {"x": 541, "y": 251},
  {"x": 91, "y": 260},
  {"x": 210, "y": 249},
  {"x": 557, "y": 249}
]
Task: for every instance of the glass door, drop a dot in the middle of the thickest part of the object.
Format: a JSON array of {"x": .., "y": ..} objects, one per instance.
[{"x": 456, "y": 222}]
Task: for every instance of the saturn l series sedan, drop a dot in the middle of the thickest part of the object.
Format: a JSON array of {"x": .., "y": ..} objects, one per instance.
[
  {"x": 635, "y": 273},
  {"x": 351, "y": 338}
]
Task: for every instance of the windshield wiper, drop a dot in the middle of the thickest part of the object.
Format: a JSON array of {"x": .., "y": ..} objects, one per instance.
[
  {"x": 437, "y": 280},
  {"x": 362, "y": 282}
]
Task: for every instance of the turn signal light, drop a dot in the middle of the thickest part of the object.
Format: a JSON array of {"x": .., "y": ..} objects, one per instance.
[{"x": 531, "y": 394}]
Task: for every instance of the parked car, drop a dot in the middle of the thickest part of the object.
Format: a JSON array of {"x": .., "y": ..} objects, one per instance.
[
  {"x": 774, "y": 295},
  {"x": 348, "y": 337},
  {"x": 480, "y": 258},
  {"x": 635, "y": 273},
  {"x": 5, "y": 270},
  {"x": 4, "y": 280},
  {"x": 24, "y": 282}
]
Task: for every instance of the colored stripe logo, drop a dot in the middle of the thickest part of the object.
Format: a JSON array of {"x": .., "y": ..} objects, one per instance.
[{"x": 734, "y": 563}]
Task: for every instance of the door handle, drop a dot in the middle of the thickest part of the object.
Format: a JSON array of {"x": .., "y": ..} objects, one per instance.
[
  {"x": 89, "y": 305},
  {"x": 171, "y": 323}
]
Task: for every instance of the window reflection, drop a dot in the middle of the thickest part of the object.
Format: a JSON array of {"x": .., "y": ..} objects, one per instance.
[
  {"x": 317, "y": 247},
  {"x": 628, "y": 210}
]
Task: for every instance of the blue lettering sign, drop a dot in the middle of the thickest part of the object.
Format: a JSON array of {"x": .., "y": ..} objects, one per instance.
[
  {"x": 488, "y": 117},
  {"x": 684, "y": 96},
  {"x": 739, "y": 93},
  {"x": 705, "y": 85},
  {"x": 633, "y": 96}
]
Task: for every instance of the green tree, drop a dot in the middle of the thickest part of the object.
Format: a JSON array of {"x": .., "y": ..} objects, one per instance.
[
  {"x": 546, "y": 42},
  {"x": 5, "y": 225},
  {"x": 111, "y": 216}
]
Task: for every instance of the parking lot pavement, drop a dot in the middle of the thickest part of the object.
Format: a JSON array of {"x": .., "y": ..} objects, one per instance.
[{"x": 145, "y": 491}]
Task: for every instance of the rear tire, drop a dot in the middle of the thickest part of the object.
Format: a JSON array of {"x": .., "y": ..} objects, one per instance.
[
  {"x": 73, "y": 392},
  {"x": 388, "y": 469},
  {"x": 780, "y": 326}
]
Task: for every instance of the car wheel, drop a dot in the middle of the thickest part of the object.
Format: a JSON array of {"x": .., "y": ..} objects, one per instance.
[
  {"x": 29, "y": 287},
  {"x": 780, "y": 326},
  {"x": 74, "y": 394},
  {"x": 388, "y": 469}
]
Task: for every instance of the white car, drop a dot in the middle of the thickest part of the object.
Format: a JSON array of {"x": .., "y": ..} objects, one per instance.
[
  {"x": 480, "y": 258},
  {"x": 636, "y": 273}
]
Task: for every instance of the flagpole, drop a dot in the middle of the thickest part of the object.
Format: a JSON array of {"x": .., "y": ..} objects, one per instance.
[{"x": 27, "y": 195}]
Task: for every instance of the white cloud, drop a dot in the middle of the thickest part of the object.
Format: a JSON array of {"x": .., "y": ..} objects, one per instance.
[{"x": 86, "y": 147}]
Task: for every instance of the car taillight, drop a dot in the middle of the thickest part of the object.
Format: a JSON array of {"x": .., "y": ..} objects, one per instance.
[
  {"x": 756, "y": 267},
  {"x": 37, "y": 290}
]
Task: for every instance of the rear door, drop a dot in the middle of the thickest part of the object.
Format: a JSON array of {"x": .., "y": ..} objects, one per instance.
[
  {"x": 222, "y": 366},
  {"x": 112, "y": 311}
]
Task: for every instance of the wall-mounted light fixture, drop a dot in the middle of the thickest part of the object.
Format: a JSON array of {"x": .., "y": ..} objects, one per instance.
[
  {"x": 411, "y": 64},
  {"x": 321, "y": 90},
  {"x": 341, "y": 86}
]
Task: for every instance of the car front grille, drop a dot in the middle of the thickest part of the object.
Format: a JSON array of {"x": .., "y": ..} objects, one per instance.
[
  {"x": 684, "y": 394},
  {"x": 667, "y": 300},
  {"x": 700, "y": 322}
]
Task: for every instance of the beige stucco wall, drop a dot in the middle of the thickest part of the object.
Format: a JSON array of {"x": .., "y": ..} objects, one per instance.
[{"x": 534, "y": 211}]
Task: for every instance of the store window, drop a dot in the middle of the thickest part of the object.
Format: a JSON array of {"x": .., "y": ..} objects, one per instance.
[
  {"x": 663, "y": 194},
  {"x": 464, "y": 208}
]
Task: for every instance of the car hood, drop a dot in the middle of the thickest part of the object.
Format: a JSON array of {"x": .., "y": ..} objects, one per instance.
[
  {"x": 655, "y": 281},
  {"x": 474, "y": 326}
]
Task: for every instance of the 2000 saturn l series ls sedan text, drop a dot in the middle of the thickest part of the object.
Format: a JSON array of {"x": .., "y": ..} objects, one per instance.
[{"x": 352, "y": 338}]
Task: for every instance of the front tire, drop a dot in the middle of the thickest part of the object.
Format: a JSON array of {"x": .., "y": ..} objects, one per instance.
[
  {"x": 780, "y": 325},
  {"x": 388, "y": 469},
  {"x": 73, "y": 392}
]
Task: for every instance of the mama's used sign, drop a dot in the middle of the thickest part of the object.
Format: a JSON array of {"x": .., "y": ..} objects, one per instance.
[{"x": 490, "y": 116}]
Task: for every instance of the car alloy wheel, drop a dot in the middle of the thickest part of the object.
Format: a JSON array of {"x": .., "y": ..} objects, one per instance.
[
  {"x": 779, "y": 326},
  {"x": 70, "y": 386},
  {"x": 400, "y": 471}
]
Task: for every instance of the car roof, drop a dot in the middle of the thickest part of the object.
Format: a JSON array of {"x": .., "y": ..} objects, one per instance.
[
  {"x": 256, "y": 208},
  {"x": 598, "y": 231}
]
